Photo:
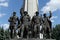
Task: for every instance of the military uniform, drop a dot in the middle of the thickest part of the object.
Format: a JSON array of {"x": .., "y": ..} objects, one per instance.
[
  {"x": 13, "y": 20},
  {"x": 25, "y": 22},
  {"x": 47, "y": 25},
  {"x": 36, "y": 25}
]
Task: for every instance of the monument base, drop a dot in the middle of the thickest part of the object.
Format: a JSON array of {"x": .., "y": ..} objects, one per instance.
[
  {"x": 31, "y": 39},
  {"x": 38, "y": 39},
  {"x": 34, "y": 39}
]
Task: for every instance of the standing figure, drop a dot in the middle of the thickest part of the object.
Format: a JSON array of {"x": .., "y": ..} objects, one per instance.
[
  {"x": 13, "y": 20},
  {"x": 47, "y": 25},
  {"x": 20, "y": 22},
  {"x": 25, "y": 20},
  {"x": 36, "y": 20}
]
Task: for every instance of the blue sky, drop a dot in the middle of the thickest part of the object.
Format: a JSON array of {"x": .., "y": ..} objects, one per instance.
[{"x": 7, "y": 7}]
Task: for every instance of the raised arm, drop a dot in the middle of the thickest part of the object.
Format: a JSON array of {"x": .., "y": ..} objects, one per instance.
[
  {"x": 50, "y": 14},
  {"x": 18, "y": 20}
]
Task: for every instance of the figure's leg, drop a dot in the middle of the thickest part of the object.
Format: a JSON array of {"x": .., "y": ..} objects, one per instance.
[
  {"x": 29, "y": 32},
  {"x": 22, "y": 30},
  {"x": 14, "y": 32},
  {"x": 11, "y": 33},
  {"x": 35, "y": 30},
  {"x": 43, "y": 34},
  {"x": 19, "y": 33},
  {"x": 25, "y": 33},
  {"x": 44, "y": 31},
  {"x": 37, "y": 33},
  {"x": 50, "y": 29},
  {"x": 50, "y": 32}
]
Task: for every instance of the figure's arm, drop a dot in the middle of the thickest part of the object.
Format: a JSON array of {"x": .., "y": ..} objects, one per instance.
[
  {"x": 9, "y": 20},
  {"x": 42, "y": 21},
  {"x": 29, "y": 18},
  {"x": 18, "y": 20},
  {"x": 41, "y": 18},
  {"x": 50, "y": 14},
  {"x": 19, "y": 24}
]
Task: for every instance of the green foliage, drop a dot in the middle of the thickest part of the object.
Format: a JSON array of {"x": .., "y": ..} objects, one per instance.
[
  {"x": 56, "y": 32},
  {"x": 4, "y": 34}
]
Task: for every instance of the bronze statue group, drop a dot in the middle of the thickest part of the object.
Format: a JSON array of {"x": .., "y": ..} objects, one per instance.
[{"x": 30, "y": 28}]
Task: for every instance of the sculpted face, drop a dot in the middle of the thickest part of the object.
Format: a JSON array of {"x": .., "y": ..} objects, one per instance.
[
  {"x": 25, "y": 13},
  {"x": 44, "y": 15},
  {"x": 37, "y": 13},
  {"x": 14, "y": 13}
]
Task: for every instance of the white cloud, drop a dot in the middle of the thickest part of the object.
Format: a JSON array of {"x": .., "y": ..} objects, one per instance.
[
  {"x": 2, "y": 0},
  {"x": 5, "y": 26},
  {"x": 53, "y": 17},
  {"x": 5, "y": 4},
  {"x": 1, "y": 15},
  {"x": 52, "y": 5},
  {"x": 52, "y": 20}
]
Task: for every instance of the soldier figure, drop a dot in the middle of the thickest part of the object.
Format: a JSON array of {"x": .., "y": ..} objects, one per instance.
[
  {"x": 25, "y": 21},
  {"x": 20, "y": 22},
  {"x": 36, "y": 25},
  {"x": 47, "y": 25},
  {"x": 13, "y": 20}
]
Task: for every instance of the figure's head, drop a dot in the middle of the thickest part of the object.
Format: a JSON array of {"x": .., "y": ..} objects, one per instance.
[
  {"x": 25, "y": 13},
  {"x": 37, "y": 13},
  {"x": 49, "y": 11},
  {"x": 44, "y": 14},
  {"x": 14, "y": 13}
]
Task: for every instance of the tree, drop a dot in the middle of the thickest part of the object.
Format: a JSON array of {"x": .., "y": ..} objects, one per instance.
[
  {"x": 56, "y": 32},
  {"x": 7, "y": 34},
  {"x": 2, "y": 34}
]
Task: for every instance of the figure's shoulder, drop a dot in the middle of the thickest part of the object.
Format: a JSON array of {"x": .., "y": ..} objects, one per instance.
[
  {"x": 11, "y": 17},
  {"x": 34, "y": 16},
  {"x": 16, "y": 16},
  {"x": 28, "y": 16},
  {"x": 21, "y": 17}
]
